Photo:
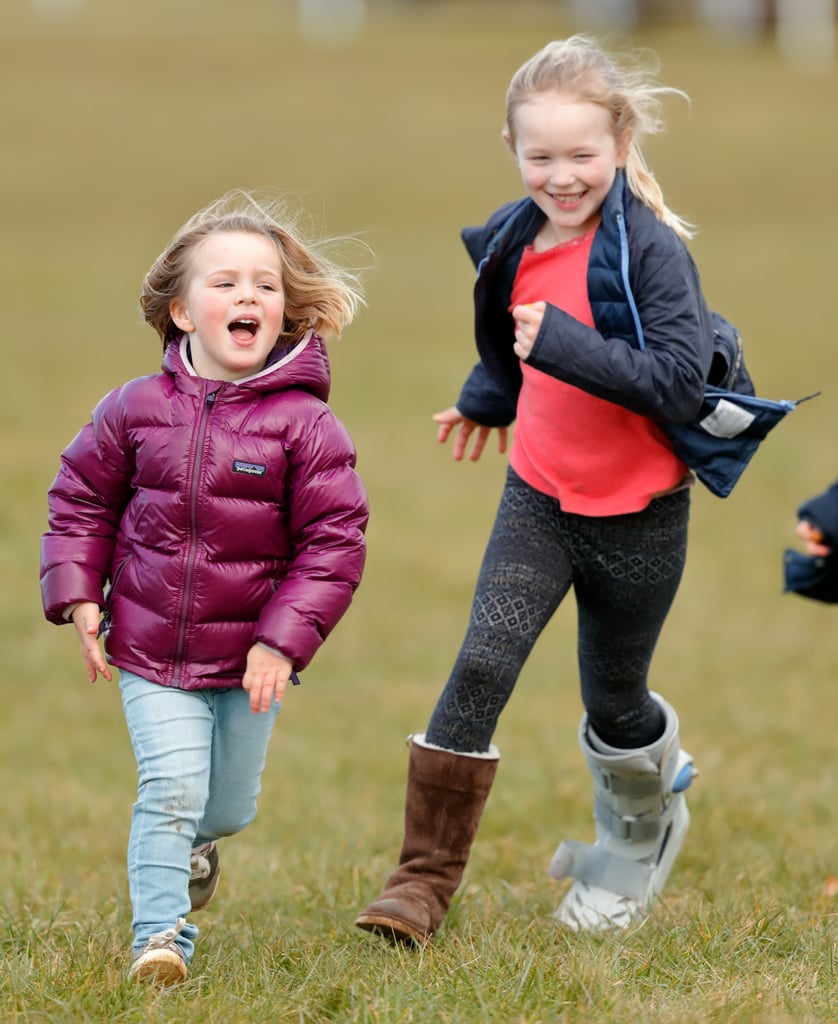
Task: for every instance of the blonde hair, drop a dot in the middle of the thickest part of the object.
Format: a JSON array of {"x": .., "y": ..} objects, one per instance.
[
  {"x": 319, "y": 294},
  {"x": 579, "y": 66}
]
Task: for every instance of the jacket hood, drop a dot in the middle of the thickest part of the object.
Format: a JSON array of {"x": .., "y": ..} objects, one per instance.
[{"x": 301, "y": 367}]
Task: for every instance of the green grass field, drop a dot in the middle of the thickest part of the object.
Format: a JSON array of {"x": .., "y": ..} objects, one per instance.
[{"x": 115, "y": 129}]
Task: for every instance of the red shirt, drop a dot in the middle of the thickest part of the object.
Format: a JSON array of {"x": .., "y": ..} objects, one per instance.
[{"x": 596, "y": 457}]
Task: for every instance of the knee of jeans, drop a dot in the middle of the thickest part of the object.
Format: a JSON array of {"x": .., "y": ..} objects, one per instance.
[
  {"x": 174, "y": 799},
  {"x": 217, "y": 824}
]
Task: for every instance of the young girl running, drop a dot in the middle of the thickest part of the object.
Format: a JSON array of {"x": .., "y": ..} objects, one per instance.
[
  {"x": 595, "y": 498},
  {"x": 213, "y": 514}
]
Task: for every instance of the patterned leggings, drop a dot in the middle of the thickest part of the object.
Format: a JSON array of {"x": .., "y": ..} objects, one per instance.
[{"x": 625, "y": 571}]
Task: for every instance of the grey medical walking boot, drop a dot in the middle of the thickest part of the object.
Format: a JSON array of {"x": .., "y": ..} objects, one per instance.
[{"x": 641, "y": 820}]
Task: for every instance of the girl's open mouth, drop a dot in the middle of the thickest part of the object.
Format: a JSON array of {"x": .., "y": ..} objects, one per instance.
[{"x": 244, "y": 329}]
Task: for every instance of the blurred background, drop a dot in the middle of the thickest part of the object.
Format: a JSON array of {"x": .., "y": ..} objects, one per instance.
[{"x": 120, "y": 118}]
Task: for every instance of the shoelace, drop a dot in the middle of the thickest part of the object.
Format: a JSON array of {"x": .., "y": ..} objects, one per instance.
[{"x": 163, "y": 939}]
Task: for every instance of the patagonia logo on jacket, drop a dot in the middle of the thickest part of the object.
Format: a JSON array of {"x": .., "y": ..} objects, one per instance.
[{"x": 249, "y": 468}]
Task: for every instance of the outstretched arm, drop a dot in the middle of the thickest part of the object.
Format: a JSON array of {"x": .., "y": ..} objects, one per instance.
[{"x": 451, "y": 418}]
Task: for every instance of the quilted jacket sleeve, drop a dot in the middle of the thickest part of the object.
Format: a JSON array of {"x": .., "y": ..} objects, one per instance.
[
  {"x": 85, "y": 505},
  {"x": 483, "y": 401},
  {"x": 328, "y": 513},
  {"x": 665, "y": 380}
]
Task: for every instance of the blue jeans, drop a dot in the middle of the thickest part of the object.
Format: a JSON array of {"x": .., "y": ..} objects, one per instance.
[{"x": 200, "y": 756}]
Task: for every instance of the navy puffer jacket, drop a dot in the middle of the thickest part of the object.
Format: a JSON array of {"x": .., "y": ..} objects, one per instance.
[
  {"x": 220, "y": 514},
  {"x": 640, "y": 273}
]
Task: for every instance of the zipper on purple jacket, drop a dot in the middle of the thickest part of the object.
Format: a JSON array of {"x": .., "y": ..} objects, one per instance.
[{"x": 203, "y": 426}]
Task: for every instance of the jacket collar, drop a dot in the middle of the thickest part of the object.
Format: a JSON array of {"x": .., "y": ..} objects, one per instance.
[
  {"x": 517, "y": 224},
  {"x": 304, "y": 366}
]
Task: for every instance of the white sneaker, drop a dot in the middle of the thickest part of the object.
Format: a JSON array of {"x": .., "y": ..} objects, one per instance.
[{"x": 160, "y": 960}]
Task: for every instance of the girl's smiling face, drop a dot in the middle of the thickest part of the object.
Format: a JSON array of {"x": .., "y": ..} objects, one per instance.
[
  {"x": 233, "y": 306},
  {"x": 568, "y": 158}
]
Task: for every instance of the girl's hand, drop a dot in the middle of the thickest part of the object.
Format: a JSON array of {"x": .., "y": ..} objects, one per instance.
[
  {"x": 527, "y": 325},
  {"x": 450, "y": 418},
  {"x": 85, "y": 618},
  {"x": 812, "y": 539},
  {"x": 265, "y": 677}
]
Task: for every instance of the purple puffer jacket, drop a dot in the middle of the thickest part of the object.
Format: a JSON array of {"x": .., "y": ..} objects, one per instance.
[{"x": 220, "y": 513}]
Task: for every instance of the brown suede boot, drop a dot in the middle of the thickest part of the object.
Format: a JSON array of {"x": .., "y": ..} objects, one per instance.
[{"x": 446, "y": 794}]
